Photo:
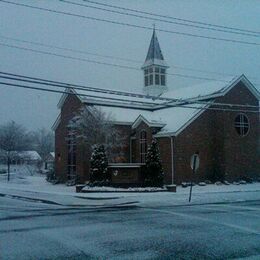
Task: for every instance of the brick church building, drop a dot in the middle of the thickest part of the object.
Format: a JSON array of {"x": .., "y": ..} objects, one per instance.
[{"x": 219, "y": 120}]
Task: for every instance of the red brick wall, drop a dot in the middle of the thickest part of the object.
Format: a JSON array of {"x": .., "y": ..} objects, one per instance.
[
  {"x": 220, "y": 147},
  {"x": 71, "y": 104},
  {"x": 69, "y": 109},
  {"x": 164, "y": 144},
  {"x": 241, "y": 154},
  {"x": 212, "y": 134}
]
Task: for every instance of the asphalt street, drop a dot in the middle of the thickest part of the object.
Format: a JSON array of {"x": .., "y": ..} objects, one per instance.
[{"x": 31, "y": 230}]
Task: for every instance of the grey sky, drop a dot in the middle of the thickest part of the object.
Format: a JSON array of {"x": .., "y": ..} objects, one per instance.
[{"x": 38, "y": 109}]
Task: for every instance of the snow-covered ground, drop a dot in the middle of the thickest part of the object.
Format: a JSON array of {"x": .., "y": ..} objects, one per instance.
[{"x": 35, "y": 186}]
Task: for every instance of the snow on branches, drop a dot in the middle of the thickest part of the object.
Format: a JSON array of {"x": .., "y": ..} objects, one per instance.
[{"x": 91, "y": 126}]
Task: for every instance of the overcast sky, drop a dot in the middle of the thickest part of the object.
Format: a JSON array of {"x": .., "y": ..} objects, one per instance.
[{"x": 38, "y": 109}]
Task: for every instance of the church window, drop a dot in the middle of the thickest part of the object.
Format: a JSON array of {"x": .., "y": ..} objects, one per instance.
[
  {"x": 242, "y": 124},
  {"x": 71, "y": 164},
  {"x": 157, "y": 79},
  {"x": 151, "y": 79},
  {"x": 143, "y": 145},
  {"x": 154, "y": 76},
  {"x": 157, "y": 76},
  {"x": 146, "y": 80}
]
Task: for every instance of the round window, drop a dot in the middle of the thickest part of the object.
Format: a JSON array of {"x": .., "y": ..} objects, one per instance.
[{"x": 242, "y": 124}]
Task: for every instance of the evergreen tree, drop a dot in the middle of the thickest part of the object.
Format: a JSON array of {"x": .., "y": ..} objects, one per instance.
[
  {"x": 98, "y": 164},
  {"x": 153, "y": 167}
]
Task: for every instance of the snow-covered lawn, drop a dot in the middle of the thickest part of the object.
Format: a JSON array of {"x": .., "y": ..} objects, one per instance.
[{"x": 36, "y": 186}]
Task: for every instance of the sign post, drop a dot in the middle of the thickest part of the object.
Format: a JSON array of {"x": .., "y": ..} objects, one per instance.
[{"x": 194, "y": 164}]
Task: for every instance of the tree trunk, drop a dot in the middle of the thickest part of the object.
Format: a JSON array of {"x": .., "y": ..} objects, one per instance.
[{"x": 8, "y": 168}]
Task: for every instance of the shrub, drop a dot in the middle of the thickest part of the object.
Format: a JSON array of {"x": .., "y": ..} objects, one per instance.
[
  {"x": 98, "y": 164},
  {"x": 153, "y": 171}
]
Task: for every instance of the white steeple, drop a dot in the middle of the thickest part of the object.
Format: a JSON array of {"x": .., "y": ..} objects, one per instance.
[{"x": 154, "y": 69}]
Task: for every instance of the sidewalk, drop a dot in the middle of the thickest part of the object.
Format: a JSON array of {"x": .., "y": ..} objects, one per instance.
[{"x": 35, "y": 188}]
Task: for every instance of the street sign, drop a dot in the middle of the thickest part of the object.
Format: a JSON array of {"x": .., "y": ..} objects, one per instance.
[{"x": 194, "y": 162}]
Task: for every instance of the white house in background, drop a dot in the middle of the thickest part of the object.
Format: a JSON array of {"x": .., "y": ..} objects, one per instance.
[
  {"x": 49, "y": 161},
  {"x": 26, "y": 157}
]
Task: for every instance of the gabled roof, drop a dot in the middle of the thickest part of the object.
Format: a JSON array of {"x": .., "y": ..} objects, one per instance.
[
  {"x": 150, "y": 122},
  {"x": 172, "y": 120},
  {"x": 154, "y": 55},
  {"x": 211, "y": 89}
]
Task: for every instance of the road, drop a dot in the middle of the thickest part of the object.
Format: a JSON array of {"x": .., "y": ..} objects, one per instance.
[{"x": 31, "y": 230}]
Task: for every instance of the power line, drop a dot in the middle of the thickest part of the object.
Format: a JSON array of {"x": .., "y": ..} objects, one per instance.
[
  {"x": 69, "y": 49},
  {"x": 139, "y": 105},
  {"x": 113, "y": 57},
  {"x": 87, "y": 88},
  {"x": 27, "y": 79},
  {"x": 77, "y": 88},
  {"x": 68, "y": 57},
  {"x": 103, "y": 63},
  {"x": 171, "y": 17},
  {"x": 156, "y": 19},
  {"x": 131, "y": 25},
  {"x": 129, "y": 106}
]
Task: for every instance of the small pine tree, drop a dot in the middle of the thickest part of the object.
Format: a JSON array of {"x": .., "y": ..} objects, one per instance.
[
  {"x": 153, "y": 167},
  {"x": 98, "y": 164}
]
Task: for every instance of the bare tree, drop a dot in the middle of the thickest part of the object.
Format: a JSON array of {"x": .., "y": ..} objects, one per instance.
[
  {"x": 92, "y": 127},
  {"x": 13, "y": 138},
  {"x": 43, "y": 142}
]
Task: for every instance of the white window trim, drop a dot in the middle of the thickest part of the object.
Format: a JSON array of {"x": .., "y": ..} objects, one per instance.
[
  {"x": 143, "y": 142},
  {"x": 242, "y": 125}
]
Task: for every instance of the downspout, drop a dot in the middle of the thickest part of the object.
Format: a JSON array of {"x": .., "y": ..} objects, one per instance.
[
  {"x": 130, "y": 152},
  {"x": 172, "y": 160}
]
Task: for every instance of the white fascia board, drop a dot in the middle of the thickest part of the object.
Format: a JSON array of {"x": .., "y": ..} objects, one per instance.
[
  {"x": 65, "y": 95},
  {"x": 247, "y": 83},
  {"x": 191, "y": 120},
  {"x": 117, "y": 104},
  {"x": 62, "y": 99},
  {"x": 243, "y": 79},
  {"x": 164, "y": 134},
  {"x": 56, "y": 123},
  {"x": 155, "y": 62},
  {"x": 141, "y": 118},
  {"x": 138, "y": 120}
]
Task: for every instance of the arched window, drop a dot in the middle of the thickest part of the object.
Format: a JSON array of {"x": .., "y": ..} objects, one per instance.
[
  {"x": 143, "y": 145},
  {"x": 71, "y": 164},
  {"x": 242, "y": 124}
]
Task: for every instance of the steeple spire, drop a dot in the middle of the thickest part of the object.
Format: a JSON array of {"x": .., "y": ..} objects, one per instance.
[
  {"x": 154, "y": 68},
  {"x": 154, "y": 51}
]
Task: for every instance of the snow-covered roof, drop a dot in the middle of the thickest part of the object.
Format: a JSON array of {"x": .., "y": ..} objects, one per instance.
[
  {"x": 171, "y": 120},
  {"x": 134, "y": 108},
  {"x": 28, "y": 155},
  {"x": 210, "y": 89}
]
